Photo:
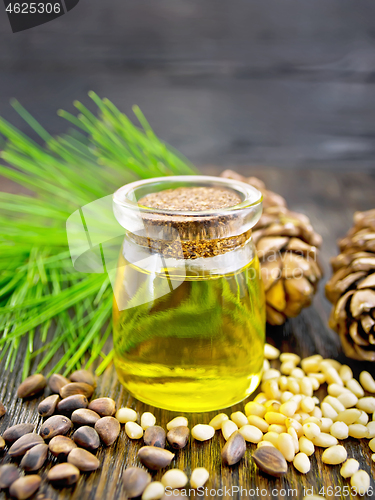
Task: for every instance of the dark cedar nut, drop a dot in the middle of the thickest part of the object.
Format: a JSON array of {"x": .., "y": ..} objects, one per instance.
[
  {"x": 54, "y": 426},
  {"x": 87, "y": 437},
  {"x": 178, "y": 437},
  {"x": 24, "y": 443},
  {"x": 76, "y": 388},
  {"x": 34, "y": 458},
  {"x": 25, "y": 487},
  {"x": 135, "y": 481},
  {"x": 3, "y": 410},
  {"x": 84, "y": 417},
  {"x": 47, "y": 407},
  {"x": 56, "y": 382},
  {"x": 63, "y": 475},
  {"x": 83, "y": 376},
  {"x": 2, "y": 444},
  {"x": 16, "y": 431},
  {"x": 83, "y": 460},
  {"x": 8, "y": 474},
  {"x": 234, "y": 449},
  {"x": 271, "y": 461},
  {"x": 105, "y": 407},
  {"x": 155, "y": 458},
  {"x": 72, "y": 403},
  {"x": 31, "y": 386},
  {"x": 108, "y": 429},
  {"x": 61, "y": 446},
  {"x": 154, "y": 436}
]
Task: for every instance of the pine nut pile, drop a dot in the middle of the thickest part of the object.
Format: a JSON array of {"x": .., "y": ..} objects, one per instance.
[
  {"x": 288, "y": 417},
  {"x": 285, "y": 420}
]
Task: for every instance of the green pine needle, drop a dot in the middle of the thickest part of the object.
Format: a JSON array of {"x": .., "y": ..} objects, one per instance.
[{"x": 43, "y": 299}]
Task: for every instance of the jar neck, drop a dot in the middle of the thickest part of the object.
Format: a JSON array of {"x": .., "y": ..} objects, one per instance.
[
  {"x": 150, "y": 261},
  {"x": 191, "y": 249}
]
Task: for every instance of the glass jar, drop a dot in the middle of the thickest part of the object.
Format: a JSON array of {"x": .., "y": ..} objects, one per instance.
[{"x": 189, "y": 308}]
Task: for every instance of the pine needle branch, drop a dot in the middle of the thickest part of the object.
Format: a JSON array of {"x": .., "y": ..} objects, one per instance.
[{"x": 44, "y": 301}]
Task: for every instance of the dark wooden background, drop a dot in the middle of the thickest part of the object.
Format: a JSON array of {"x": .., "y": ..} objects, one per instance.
[{"x": 285, "y": 84}]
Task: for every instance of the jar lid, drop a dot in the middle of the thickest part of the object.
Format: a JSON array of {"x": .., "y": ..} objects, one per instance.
[{"x": 189, "y": 208}]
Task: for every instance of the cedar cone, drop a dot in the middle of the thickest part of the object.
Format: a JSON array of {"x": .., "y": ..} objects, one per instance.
[
  {"x": 352, "y": 289},
  {"x": 287, "y": 247}
]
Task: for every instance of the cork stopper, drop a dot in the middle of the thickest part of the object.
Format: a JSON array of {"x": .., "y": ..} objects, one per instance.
[
  {"x": 188, "y": 216},
  {"x": 198, "y": 232},
  {"x": 193, "y": 199}
]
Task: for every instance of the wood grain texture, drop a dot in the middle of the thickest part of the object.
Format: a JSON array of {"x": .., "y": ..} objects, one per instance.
[
  {"x": 329, "y": 199},
  {"x": 286, "y": 83}
]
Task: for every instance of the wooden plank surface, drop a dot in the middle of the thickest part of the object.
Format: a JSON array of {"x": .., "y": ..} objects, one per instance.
[
  {"x": 329, "y": 199},
  {"x": 287, "y": 83}
]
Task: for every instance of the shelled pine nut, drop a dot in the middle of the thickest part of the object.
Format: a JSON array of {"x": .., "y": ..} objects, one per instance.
[
  {"x": 354, "y": 386},
  {"x": 153, "y": 491},
  {"x": 253, "y": 408},
  {"x": 294, "y": 437},
  {"x": 227, "y": 428},
  {"x": 367, "y": 381},
  {"x": 311, "y": 430},
  {"x": 267, "y": 443},
  {"x": 306, "y": 446},
  {"x": 218, "y": 420},
  {"x": 174, "y": 478},
  {"x": 334, "y": 455},
  {"x": 272, "y": 437},
  {"x": 363, "y": 418},
  {"x": 177, "y": 422},
  {"x": 133, "y": 430},
  {"x": 326, "y": 424},
  {"x": 302, "y": 463},
  {"x": 251, "y": 433},
  {"x": 125, "y": 415},
  {"x": 349, "y": 468},
  {"x": 271, "y": 417},
  {"x": 348, "y": 399},
  {"x": 258, "y": 422},
  {"x": 328, "y": 411},
  {"x": 371, "y": 430},
  {"x": 335, "y": 403},
  {"x": 290, "y": 356},
  {"x": 339, "y": 430},
  {"x": 307, "y": 404},
  {"x": 324, "y": 440},
  {"x": 360, "y": 480},
  {"x": 239, "y": 419},
  {"x": 203, "y": 432},
  {"x": 277, "y": 428},
  {"x": 147, "y": 420},
  {"x": 349, "y": 416},
  {"x": 271, "y": 352},
  {"x": 358, "y": 431},
  {"x": 289, "y": 408},
  {"x": 366, "y": 404},
  {"x": 199, "y": 477},
  {"x": 345, "y": 373}
]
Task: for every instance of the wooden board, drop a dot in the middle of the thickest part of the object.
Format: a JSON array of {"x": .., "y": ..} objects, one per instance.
[
  {"x": 329, "y": 199},
  {"x": 287, "y": 83}
]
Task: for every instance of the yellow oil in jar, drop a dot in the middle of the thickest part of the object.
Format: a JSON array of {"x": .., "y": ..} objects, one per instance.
[{"x": 198, "y": 347}]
